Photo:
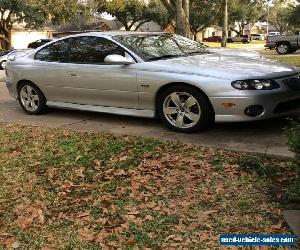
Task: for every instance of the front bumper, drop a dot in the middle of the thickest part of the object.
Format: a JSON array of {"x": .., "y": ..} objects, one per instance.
[{"x": 275, "y": 103}]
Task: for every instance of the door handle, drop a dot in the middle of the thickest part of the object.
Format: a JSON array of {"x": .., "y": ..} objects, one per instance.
[{"x": 73, "y": 75}]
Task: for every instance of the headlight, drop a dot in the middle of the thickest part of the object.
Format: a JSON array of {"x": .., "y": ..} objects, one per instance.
[{"x": 255, "y": 85}]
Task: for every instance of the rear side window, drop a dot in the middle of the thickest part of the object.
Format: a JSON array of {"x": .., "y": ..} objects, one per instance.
[
  {"x": 55, "y": 52},
  {"x": 92, "y": 50}
]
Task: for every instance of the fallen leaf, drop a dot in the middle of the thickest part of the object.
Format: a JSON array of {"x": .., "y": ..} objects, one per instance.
[
  {"x": 130, "y": 242},
  {"x": 78, "y": 158}
]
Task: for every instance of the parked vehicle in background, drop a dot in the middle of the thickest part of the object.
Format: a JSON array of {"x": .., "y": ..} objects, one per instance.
[
  {"x": 4, "y": 52},
  {"x": 217, "y": 39},
  {"x": 38, "y": 43},
  {"x": 273, "y": 34},
  {"x": 258, "y": 37},
  {"x": 283, "y": 44},
  {"x": 4, "y": 57},
  {"x": 238, "y": 39}
]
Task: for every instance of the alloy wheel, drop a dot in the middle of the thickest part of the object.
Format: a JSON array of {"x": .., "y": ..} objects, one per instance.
[
  {"x": 29, "y": 98},
  {"x": 182, "y": 110},
  {"x": 283, "y": 48}
]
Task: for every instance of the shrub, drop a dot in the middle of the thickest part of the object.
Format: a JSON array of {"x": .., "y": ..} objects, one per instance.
[{"x": 294, "y": 144}]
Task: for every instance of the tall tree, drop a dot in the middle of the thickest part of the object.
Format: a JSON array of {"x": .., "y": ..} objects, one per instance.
[
  {"x": 63, "y": 11},
  {"x": 18, "y": 11},
  {"x": 131, "y": 13},
  {"x": 280, "y": 15},
  {"x": 180, "y": 9},
  {"x": 34, "y": 14},
  {"x": 243, "y": 13},
  {"x": 294, "y": 18},
  {"x": 202, "y": 15}
]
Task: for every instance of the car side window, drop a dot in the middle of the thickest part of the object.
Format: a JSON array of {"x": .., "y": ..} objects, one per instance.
[
  {"x": 55, "y": 52},
  {"x": 92, "y": 50}
]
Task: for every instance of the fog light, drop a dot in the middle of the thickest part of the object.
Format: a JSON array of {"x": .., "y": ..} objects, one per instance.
[{"x": 254, "y": 110}]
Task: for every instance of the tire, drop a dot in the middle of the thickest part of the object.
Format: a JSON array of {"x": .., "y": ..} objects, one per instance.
[
  {"x": 229, "y": 40},
  {"x": 31, "y": 99},
  {"x": 3, "y": 65},
  {"x": 245, "y": 41},
  {"x": 185, "y": 109},
  {"x": 283, "y": 48}
]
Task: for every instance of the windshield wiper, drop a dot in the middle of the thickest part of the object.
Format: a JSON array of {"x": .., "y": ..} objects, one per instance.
[
  {"x": 199, "y": 52},
  {"x": 163, "y": 57}
]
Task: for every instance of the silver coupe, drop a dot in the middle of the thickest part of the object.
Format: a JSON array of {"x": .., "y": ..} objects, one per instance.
[{"x": 161, "y": 75}]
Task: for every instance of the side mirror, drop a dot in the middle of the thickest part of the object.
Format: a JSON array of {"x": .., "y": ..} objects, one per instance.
[
  {"x": 11, "y": 57},
  {"x": 117, "y": 59}
]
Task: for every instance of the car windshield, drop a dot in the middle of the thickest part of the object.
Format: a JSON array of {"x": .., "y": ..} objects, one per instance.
[{"x": 161, "y": 46}]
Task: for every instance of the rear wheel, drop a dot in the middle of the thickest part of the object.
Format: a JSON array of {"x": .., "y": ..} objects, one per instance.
[
  {"x": 283, "y": 48},
  {"x": 31, "y": 99},
  {"x": 185, "y": 109}
]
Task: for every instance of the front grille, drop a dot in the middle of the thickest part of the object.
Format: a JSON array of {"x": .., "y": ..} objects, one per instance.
[
  {"x": 287, "y": 106},
  {"x": 293, "y": 83}
]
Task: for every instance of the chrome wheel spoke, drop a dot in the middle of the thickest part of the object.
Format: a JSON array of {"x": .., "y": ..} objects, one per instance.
[
  {"x": 23, "y": 94},
  {"x": 179, "y": 121},
  {"x": 35, "y": 98},
  {"x": 29, "y": 90},
  {"x": 192, "y": 116},
  {"x": 33, "y": 105},
  {"x": 175, "y": 98},
  {"x": 170, "y": 111},
  {"x": 191, "y": 101}
]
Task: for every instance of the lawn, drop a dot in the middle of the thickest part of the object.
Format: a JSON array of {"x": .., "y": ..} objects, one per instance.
[
  {"x": 253, "y": 44},
  {"x": 292, "y": 60},
  {"x": 62, "y": 189}
]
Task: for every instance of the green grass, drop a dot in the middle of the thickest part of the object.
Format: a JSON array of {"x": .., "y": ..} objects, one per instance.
[
  {"x": 292, "y": 60},
  {"x": 73, "y": 190},
  {"x": 253, "y": 44}
]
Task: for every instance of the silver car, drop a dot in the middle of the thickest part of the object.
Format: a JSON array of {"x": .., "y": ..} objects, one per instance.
[{"x": 152, "y": 75}]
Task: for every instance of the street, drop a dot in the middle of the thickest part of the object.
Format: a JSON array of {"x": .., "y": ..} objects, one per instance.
[{"x": 264, "y": 137}]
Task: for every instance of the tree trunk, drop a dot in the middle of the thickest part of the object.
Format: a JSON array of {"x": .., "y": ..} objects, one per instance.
[
  {"x": 180, "y": 18},
  {"x": 6, "y": 40},
  {"x": 181, "y": 11},
  {"x": 225, "y": 25},
  {"x": 186, "y": 10}
]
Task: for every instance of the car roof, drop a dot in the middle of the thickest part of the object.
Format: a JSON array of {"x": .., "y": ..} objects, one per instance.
[{"x": 117, "y": 33}]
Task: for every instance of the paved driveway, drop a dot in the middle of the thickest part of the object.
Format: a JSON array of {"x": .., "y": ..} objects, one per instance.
[{"x": 266, "y": 137}]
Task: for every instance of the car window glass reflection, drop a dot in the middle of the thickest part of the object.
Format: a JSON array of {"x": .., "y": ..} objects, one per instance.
[
  {"x": 92, "y": 50},
  {"x": 55, "y": 52}
]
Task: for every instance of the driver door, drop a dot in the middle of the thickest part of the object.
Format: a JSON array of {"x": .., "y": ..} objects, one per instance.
[{"x": 89, "y": 80}]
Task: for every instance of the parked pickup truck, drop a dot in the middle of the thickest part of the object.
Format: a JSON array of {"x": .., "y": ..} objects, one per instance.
[{"x": 284, "y": 44}]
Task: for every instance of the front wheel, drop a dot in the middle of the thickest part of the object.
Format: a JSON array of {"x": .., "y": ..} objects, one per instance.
[
  {"x": 185, "y": 109},
  {"x": 31, "y": 99}
]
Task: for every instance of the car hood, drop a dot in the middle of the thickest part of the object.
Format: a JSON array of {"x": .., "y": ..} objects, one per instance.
[{"x": 225, "y": 67}]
